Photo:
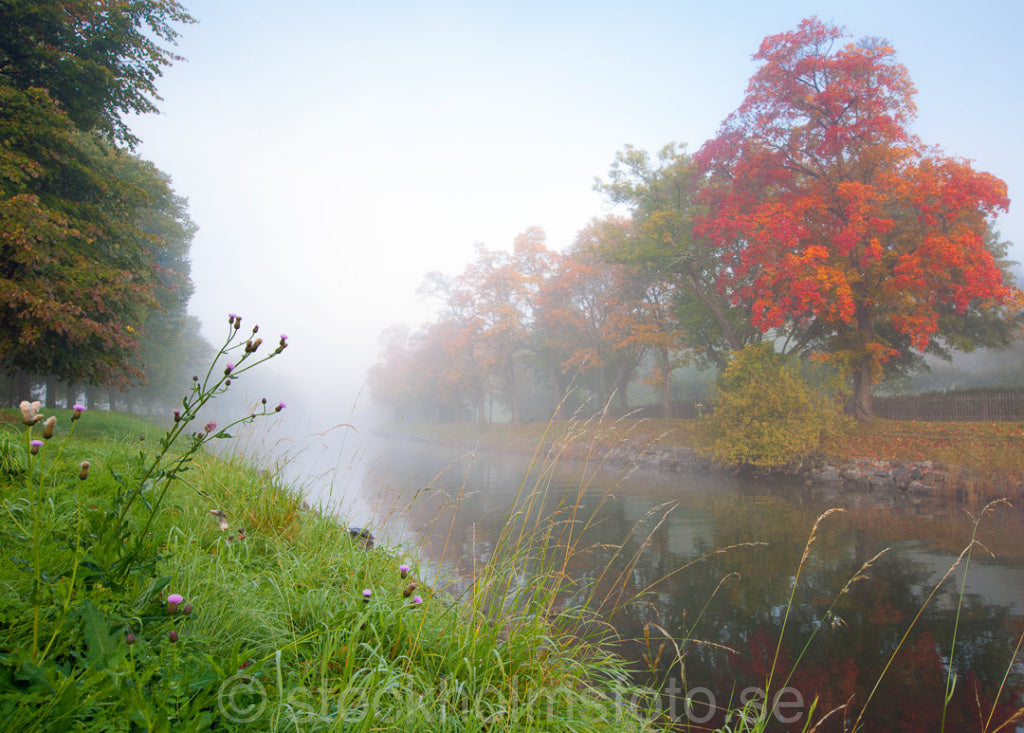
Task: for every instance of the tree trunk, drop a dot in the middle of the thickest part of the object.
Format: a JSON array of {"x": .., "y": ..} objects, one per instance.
[
  {"x": 666, "y": 385},
  {"x": 860, "y": 402},
  {"x": 22, "y": 387},
  {"x": 557, "y": 403},
  {"x": 51, "y": 392}
]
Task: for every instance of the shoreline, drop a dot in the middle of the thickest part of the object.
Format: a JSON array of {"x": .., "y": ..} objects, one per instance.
[{"x": 898, "y": 481}]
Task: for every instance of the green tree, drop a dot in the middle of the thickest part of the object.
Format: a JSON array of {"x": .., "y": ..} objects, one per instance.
[
  {"x": 97, "y": 59},
  {"x": 663, "y": 198}
]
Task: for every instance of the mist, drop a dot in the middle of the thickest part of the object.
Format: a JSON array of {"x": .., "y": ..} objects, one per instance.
[{"x": 334, "y": 154}]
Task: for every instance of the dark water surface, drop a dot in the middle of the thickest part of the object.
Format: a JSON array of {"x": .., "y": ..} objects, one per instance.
[{"x": 712, "y": 561}]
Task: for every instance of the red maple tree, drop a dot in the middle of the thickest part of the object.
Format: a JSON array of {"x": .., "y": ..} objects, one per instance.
[{"x": 840, "y": 229}]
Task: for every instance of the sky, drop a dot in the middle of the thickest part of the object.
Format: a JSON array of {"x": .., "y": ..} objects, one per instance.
[{"x": 334, "y": 152}]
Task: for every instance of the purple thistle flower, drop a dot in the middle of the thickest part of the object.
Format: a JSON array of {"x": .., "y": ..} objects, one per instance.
[
  {"x": 210, "y": 426},
  {"x": 34, "y": 446},
  {"x": 417, "y": 600},
  {"x": 280, "y": 406},
  {"x": 173, "y": 601},
  {"x": 404, "y": 570},
  {"x": 367, "y": 593}
]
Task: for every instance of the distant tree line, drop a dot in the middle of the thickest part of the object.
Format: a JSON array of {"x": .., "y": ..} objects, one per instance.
[
  {"x": 94, "y": 279},
  {"x": 814, "y": 220}
]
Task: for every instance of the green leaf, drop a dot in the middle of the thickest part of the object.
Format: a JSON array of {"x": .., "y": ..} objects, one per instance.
[{"x": 100, "y": 643}]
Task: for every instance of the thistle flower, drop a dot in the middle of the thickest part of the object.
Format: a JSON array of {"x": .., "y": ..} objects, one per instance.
[
  {"x": 172, "y": 636},
  {"x": 186, "y": 609},
  {"x": 129, "y": 638},
  {"x": 404, "y": 570},
  {"x": 417, "y": 600},
  {"x": 78, "y": 410},
  {"x": 222, "y": 519},
  {"x": 177, "y": 416},
  {"x": 210, "y": 426},
  {"x": 280, "y": 406},
  {"x": 173, "y": 601},
  {"x": 30, "y": 412},
  {"x": 366, "y": 594},
  {"x": 228, "y": 368},
  {"x": 49, "y": 426},
  {"x": 34, "y": 446},
  {"x": 409, "y": 589},
  {"x": 84, "y": 474},
  {"x": 282, "y": 344}
]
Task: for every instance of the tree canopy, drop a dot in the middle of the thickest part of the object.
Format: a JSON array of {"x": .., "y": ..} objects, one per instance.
[
  {"x": 841, "y": 229},
  {"x": 94, "y": 240}
]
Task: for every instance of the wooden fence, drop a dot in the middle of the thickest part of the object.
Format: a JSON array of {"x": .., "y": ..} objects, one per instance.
[{"x": 978, "y": 407}]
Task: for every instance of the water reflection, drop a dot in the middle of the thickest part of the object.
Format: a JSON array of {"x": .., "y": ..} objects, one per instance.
[{"x": 713, "y": 562}]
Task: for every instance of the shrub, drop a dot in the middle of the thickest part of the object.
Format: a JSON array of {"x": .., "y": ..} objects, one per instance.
[{"x": 768, "y": 411}]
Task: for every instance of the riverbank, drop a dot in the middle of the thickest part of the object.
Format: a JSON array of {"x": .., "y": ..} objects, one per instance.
[
  {"x": 245, "y": 610},
  {"x": 911, "y": 462}
]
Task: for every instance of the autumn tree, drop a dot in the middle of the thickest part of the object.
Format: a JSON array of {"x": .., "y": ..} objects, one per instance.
[
  {"x": 842, "y": 230},
  {"x": 79, "y": 272},
  {"x": 592, "y": 307}
]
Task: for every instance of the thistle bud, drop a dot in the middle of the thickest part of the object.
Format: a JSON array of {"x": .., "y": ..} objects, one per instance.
[
  {"x": 409, "y": 590},
  {"x": 48, "y": 427},
  {"x": 84, "y": 474},
  {"x": 172, "y": 636}
]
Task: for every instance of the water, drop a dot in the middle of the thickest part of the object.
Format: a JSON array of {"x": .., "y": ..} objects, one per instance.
[{"x": 711, "y": 561}]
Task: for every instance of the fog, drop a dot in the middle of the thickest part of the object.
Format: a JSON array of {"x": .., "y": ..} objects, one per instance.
[{"x": 335, "y": 152}]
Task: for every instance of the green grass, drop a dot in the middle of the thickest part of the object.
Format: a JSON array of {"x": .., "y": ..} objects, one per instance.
[{"x": 279, "y": 635}]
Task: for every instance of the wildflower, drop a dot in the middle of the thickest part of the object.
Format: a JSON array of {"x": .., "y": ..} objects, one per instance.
[
  {"x": 173, "y": 601},
  {"x": 186, "y": 609},
  {"x": 282, "y": 344},
  {"x": 404, "y": 570},
  {"x": 34, "y": 446},
  {"x": 409, "y": 589},
  {"x": 251, "y": 345},
  {"x": 367, "y": 593},
  {"x": 280, "y": 406},
  {"x": 228, "y": 368},
  {"x": 222, "y": 519},
  {"x": 210, "y": 426},
  {"x": 417, "y": 600},
  {"x": 238, "y": 322},
  {"x": 129, "y": 638},
  {"x": 172, "y": 636},
  {"x": 177, "y": 416},
  {"x": 48, "y": 426},
  {"x": 231, "y": 318},
  {"x": 78, "y": 410},
  {"x": 84, "y": 474},
  {"x": 30, "y": 412}
]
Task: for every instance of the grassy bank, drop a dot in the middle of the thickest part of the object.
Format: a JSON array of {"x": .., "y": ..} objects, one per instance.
[
  {"x": 285, "y": 622},
  {"x": 984, "y": 454}
]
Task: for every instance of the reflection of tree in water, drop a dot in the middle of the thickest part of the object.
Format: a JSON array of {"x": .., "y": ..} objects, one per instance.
[{"x": 744, "y": 614}]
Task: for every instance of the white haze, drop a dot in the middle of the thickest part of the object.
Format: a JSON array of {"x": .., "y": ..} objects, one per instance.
[{"x": 334, "y": 152}]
